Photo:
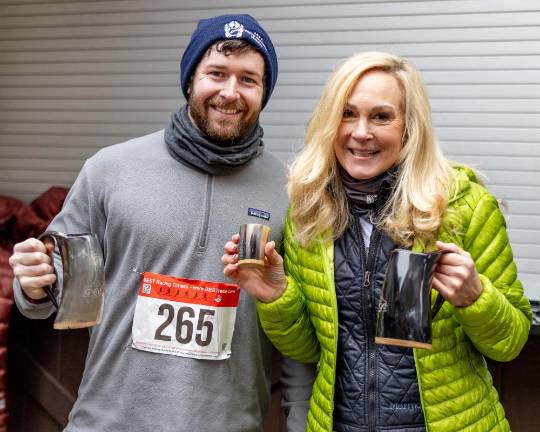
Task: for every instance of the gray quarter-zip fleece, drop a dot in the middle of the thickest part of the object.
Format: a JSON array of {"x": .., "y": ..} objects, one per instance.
[{"x": 154, "y": 214}]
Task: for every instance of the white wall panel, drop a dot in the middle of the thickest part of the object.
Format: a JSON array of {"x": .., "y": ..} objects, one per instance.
[{"x": 76, "y": 76}]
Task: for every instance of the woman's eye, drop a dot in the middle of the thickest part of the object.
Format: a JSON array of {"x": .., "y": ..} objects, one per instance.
[
  {"x": 382, "y": 117},
  {"x": 347, "y": 113}
]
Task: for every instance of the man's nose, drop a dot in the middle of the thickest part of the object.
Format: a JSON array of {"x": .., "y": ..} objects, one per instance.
[
  {"x": 229, "y": 91},
  {"x": 361, "y": 131}
]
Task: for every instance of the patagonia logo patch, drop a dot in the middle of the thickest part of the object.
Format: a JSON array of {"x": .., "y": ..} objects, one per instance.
[{"x": 259, "y": 213}]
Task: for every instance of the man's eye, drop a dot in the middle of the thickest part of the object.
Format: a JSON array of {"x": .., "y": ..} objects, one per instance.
[
  {"x": 217, "y": 74},
  {"x": 249, "y": 80}
]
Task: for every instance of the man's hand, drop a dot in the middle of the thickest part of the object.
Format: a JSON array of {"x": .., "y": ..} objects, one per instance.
[
  {"x": 266, "y": 283},
  {"x": 32, "y": 267}
]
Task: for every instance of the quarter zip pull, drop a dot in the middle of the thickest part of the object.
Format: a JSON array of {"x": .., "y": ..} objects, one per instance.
[
  {"x": 367, "y": 276},
  {"x": 203, "y": 237}
]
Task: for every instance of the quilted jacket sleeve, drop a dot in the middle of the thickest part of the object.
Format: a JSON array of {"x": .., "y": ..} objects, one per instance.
[
  {"x": 498, "y": 321},
  {"x": 286, "y": 320}
]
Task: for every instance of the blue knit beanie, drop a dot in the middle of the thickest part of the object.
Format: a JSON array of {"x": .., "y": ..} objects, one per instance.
[{"x": 224, "y": 27}]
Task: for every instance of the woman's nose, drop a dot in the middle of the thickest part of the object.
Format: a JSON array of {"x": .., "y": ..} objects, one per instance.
[{"x": 361, "y": 131}]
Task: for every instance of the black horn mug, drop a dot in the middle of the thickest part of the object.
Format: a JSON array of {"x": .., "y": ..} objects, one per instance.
[
  {"x": 80, "y": 293},
  {"x": 405, "y": 311}
]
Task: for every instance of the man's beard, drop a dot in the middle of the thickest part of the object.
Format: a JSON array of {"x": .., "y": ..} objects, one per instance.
[{"x": 221, "y": 131}]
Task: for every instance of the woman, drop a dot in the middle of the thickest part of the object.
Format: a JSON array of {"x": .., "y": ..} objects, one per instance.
[{"x": 371, "y": 178}]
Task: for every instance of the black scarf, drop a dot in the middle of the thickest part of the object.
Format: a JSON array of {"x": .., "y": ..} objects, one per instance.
[
  {"x": 190, "y": 146},
  {"x": 367, "y": 196}
]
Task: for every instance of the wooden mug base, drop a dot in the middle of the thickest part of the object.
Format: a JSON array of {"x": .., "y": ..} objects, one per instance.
[
  {"x": 67, "y": 325},
  {"x": 402, "y": 343},
  {"x": 250, "y": 263}
]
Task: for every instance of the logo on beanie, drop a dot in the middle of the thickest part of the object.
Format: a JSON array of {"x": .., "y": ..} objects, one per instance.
[
  {"x": 233, "y": 29},
  {"x": 236, "y": 30}
]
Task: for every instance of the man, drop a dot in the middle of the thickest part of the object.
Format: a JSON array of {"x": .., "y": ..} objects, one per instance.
[{"x": 163, "y": 206}]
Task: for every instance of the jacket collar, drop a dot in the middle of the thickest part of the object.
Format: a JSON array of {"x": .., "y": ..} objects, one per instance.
[{"x": 461, "y": 182}]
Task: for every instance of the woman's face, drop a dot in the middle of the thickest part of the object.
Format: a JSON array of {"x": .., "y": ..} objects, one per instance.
[{"x": 368, "y": 139}]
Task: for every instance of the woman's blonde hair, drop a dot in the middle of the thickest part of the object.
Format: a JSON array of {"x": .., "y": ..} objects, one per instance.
[{"x": 420, "y": 196}]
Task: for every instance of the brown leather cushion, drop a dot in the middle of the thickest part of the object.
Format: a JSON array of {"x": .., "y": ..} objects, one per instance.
[{"x": 18, "y": 221}]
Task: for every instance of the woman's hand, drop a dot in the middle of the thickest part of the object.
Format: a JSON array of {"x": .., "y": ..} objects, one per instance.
[
  {"x": 456, "y": 277},
  {"x": 266, "y": 283}
]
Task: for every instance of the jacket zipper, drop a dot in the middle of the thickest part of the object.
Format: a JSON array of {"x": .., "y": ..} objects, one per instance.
[
  {"x": 203, "y": 238},
  {"x": 370, "y": 325}
]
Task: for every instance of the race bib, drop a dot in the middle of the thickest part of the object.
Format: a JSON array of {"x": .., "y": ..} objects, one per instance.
[{"x": 183, "y": 317}]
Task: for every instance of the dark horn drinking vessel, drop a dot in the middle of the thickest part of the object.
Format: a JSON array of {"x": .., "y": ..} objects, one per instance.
[
  {"x": 82, "y": 281},
  {"x": 405, "y": 312}
]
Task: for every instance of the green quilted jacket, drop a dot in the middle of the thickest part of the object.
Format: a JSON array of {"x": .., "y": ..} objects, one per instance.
[{"x": 455, "y": 385}]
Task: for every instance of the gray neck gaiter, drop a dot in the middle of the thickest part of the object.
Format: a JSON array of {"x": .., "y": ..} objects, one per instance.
[
  {"x": 364, "y": 195},
  {"x": 190, "y": 146}
]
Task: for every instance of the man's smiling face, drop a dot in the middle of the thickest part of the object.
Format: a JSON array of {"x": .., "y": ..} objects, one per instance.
[{"x": 226, "y": 92}]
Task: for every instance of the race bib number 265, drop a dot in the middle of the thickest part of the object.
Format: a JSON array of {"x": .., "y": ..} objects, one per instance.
[{"x": 184, "y": 317}]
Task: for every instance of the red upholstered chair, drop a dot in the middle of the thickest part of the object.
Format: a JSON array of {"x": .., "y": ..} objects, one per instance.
[{"x": 19, "y": 221}]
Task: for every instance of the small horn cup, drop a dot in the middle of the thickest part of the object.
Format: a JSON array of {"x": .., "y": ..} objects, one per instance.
[{"x": 253, "y": 238}]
